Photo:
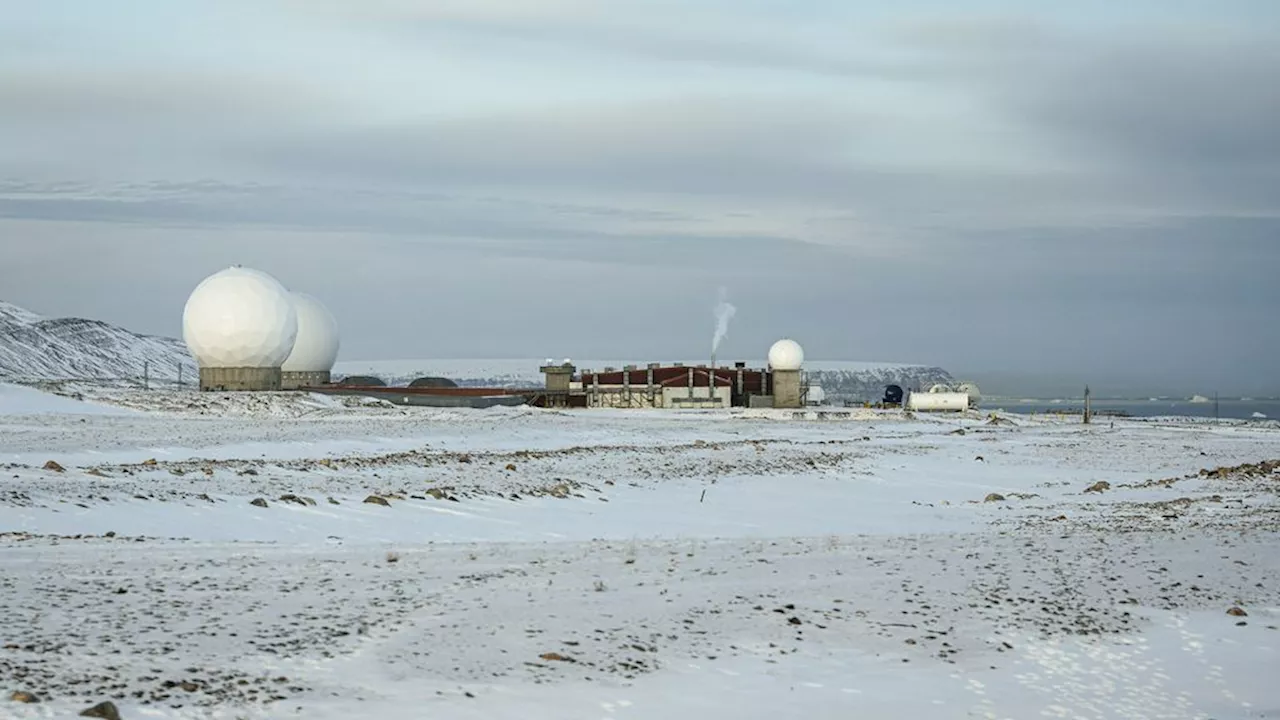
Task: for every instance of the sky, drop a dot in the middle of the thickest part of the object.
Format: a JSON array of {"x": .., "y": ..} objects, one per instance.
[{"x": 1026, "y": 189}]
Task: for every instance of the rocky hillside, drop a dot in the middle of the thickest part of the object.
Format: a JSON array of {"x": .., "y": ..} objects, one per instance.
[
  {"x": 868, "y": 384},
  {"x": 33, "y": 347}
]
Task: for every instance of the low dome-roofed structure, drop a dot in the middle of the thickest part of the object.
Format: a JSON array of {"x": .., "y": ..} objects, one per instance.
[
  {"x": 364, "y": 380},
  {"x": 433, "y": 382}
]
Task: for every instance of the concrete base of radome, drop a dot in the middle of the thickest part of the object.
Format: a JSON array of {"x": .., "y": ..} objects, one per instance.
[
  {"x": 786, "y": 389},
  {"x": 294, "y": 379},
  {"x": 241, "y": 378}
]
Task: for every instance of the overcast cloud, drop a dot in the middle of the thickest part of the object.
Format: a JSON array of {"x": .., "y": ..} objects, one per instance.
[{"x": 1090, "y": 191}]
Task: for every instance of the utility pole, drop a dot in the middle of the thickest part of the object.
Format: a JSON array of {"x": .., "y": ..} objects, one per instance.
[
  {"x": 146, "y": 375},
  {"x": 1215, "y": 407},
  {"x": 179, "y": 374},
  {"x": 1088, "y": 408}
]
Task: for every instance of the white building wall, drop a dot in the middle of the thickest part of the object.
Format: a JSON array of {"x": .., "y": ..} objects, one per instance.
[
  {"x": 620, "y": 396},
  {"x": 679, "y": 397}
]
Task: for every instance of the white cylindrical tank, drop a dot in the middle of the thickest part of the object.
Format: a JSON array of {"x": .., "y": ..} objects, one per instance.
[
  {"x": 316, "y": 347},
  {"x": 940, "y": 388},
  {"x": 934, "y": 401},
  {"x": 786, "y": 355},
  {"x": 240, "y": 318},
  {"x": 971, "y": 389}
]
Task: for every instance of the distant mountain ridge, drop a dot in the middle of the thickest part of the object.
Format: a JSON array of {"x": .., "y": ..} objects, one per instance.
[{"x": 33, "y": 347}]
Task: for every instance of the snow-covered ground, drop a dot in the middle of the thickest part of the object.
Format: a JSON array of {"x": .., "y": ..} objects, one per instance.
[{"x": 522, "y": 563}]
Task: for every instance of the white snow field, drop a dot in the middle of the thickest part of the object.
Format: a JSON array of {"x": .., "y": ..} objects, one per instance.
[{"x": 523, "y": 563}]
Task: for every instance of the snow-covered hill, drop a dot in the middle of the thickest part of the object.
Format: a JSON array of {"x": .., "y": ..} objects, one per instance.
[
  {"x": 13, "y": 315},
  {"x": 867, "y": 381},
  {"x": 33, "y": 347}
]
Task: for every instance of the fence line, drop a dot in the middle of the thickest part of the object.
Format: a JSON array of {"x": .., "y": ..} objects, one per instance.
[{"x": 180, "y": 376}]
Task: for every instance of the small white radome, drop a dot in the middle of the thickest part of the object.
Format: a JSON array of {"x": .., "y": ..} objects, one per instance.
[
  {"x": 316, "y": 347},
  {"x": 786, "y": 354},
  {"x": 240, "y": 317},
  {"x": 970, "y": 389}
]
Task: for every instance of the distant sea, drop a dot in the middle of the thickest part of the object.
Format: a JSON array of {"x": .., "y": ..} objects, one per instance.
[{"x": 1236, "y": 409}]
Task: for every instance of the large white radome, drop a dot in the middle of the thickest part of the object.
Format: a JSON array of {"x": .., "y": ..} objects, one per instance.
[
  {"x": 240, "y": 317},
  {"x": 786, "y": 355},
  {"x": 316, "y": 348}
]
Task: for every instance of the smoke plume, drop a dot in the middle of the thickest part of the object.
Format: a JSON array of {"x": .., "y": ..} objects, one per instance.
[{"x": 723, "y": 312}]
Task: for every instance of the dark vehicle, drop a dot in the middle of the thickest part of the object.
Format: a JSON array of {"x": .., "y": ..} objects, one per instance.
[{"x": 893, "y": 395}]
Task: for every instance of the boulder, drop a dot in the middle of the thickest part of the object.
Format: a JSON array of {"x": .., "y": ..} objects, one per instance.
[{"x": 105, "y": 710}]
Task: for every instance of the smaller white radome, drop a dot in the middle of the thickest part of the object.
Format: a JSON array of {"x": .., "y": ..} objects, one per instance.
[
  {"x": 971, "y": 389},
  {"x": 786, "y": 354},
  {"x": 239, "y": 318},
  {"x": 316, "y": 347},
  {"x": 940, "y": 388}
]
